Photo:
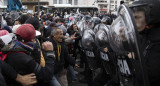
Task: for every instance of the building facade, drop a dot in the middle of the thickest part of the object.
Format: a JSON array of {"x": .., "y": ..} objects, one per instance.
[
  {"x": 3, "y": 5},
  {"x": 72, "y": 2},
  {"x": 30, "y": 4},
  {"x": 113, "y": 5},
  {"x": 102, "y": 5},
  {"x": 51, "y": 3},
  {"x": 105, "y": 6}
]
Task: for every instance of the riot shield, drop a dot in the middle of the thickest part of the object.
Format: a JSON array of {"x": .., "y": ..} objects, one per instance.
[
  {"x": 124, "y": 41},
  {"x": 88, "y": 39},
  {"x": 100, "y": 26},
  {"x": 89, "y": 23},
  {"x": 107, "y": 56},
  {"x": 77, "y": 17},
  {"x": 107, "y": 20},
  {"x": 88, "y": 44},
  {"x": 101, "y": 38},
  {"x": 96, "y": 20},
  {"x": 96, "y": 28},
  {"x": 80, "y": 25},
  {"x": 85, "y": 23}
]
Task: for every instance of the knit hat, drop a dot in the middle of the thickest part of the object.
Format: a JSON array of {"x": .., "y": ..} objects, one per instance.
[{"x": 26, "y": 32}]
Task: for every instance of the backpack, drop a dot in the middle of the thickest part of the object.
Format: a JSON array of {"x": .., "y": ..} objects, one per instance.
[{"x": 3, "y": 55}]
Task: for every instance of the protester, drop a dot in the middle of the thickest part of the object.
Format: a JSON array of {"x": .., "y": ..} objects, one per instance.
[
  {"x": 63, "y": 59},
  {"x": 22, "y": 59}
]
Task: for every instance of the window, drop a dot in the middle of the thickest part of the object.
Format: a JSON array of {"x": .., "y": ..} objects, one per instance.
[
  {"x": 70, "y": 1},
  {"x": 115, "y": 7},
  {"x": 5, "y": 2},
  {"x": 105, "y": 6},
  {"x": 112, "y": 1},
  {"x": 60, "y": 1},
  {"x": 75, "y": 2},
  {"x": 54, "y": 1}
]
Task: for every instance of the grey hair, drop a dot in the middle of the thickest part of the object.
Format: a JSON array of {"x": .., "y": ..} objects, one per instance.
[{"x": 54, "y": 31}]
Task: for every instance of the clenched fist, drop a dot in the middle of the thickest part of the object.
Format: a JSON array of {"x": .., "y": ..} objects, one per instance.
[{"x": 47, "y": 46}]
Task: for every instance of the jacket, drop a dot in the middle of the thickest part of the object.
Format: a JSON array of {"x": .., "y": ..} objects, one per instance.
[
  {"x": 151, "y": 53},
  {"x": 6, "y": 71},
  {"x": 65, "y": 58},
  {"x": 24, "y": 63}
]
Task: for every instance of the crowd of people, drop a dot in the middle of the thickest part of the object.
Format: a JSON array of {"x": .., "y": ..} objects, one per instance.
[{"x": 39, "y": 49}]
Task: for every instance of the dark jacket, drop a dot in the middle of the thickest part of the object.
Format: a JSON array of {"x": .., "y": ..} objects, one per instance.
[
  {"x": 23, "y": 63},
  {"x": 65, "y": 58},
  {"x": 151, "y": 53},
  {"x": 6, "y": 71}
]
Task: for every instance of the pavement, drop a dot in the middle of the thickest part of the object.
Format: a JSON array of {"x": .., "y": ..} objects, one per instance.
[
  {"x": 79, "y": 76},
  {"x": 76, "y": 83}
]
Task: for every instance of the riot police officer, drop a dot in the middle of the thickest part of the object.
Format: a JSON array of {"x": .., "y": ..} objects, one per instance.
[{"x": 147, "y": 18}]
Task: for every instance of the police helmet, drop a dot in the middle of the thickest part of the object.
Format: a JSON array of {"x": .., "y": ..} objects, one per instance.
[{"x": 151, "y": 9}]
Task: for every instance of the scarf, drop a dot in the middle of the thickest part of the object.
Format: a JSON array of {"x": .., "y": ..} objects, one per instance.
[{"x": 27, "y": 46}]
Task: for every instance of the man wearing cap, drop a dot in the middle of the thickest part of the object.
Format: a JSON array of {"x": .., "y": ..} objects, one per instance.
[{"x": 21, "y": 58}]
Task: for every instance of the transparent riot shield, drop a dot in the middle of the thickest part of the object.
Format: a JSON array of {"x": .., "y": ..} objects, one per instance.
[
  {"x": 96, "y": 20},
  {"x": 77, "y": 17},
  {"x": 81, "y": 28},
  {"x": 106, "y": 54},
  {"x": 124, "y": 41},
  {"x": 100, "y": 26},
  {"x": 80, "y": 25},
  {"x": 88, "y": 44},
  {"x": 89, "y": 23},
  {"x": 85, "y": 23},
  {"x": 96, "y": 28}
]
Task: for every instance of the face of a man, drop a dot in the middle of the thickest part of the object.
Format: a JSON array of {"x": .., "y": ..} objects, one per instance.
[
  {"x": 58, "y": 37},
  {"x": 140, "y": 20}
]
